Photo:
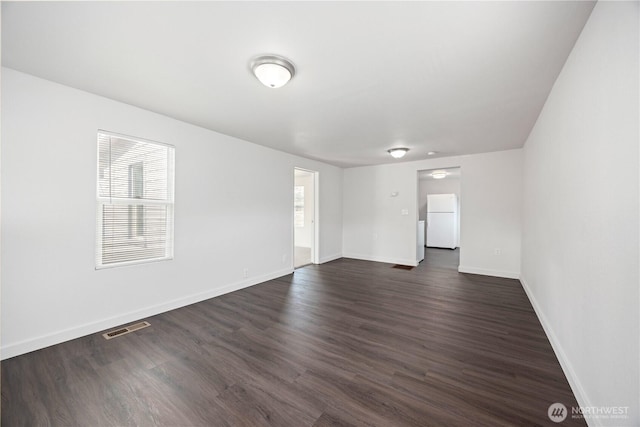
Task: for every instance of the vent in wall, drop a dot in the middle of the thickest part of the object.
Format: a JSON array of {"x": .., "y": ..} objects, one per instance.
[
  {"x": 127, "y": 329},
  {"x": 403, "y": 267}
]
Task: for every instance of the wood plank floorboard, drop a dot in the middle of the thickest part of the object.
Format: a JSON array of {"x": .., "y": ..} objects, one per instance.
[{"x": 347, "y": 343}]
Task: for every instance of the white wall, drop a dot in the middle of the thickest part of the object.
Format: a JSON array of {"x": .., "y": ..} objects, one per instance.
[
  {"x": 580, "y": 234},
  {"x": 491, "y": 202},
  {"x": 225, "y": 221},
  {"x": 438, "y": 186}
]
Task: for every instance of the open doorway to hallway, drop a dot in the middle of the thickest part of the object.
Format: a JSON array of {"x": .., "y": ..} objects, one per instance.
[
  {"x": 439, "y": 210},
  {"x": 304, "y": 217}
]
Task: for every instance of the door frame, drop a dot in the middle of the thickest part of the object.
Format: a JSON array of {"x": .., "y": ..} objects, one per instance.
[
  {"x": 315, "y": 246},
  {"x": 431, "y": 169}
]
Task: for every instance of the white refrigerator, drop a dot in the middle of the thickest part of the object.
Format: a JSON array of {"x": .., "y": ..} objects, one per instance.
[{"x": 442, "y": 221}]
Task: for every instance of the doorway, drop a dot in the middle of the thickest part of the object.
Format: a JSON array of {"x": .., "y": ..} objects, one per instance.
[
  {"x": 304, "y": 217},
  {"x": 439, "y": 211}
]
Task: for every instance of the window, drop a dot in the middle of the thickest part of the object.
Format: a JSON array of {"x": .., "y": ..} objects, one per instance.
[
  {"x": 298, "y": 206},
  {"x": 134, "y": 201}
]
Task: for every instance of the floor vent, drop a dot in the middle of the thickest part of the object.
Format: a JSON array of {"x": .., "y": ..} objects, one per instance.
[
  {"x": 126, "y": 330},
  {"x": 403, "y": 267}
]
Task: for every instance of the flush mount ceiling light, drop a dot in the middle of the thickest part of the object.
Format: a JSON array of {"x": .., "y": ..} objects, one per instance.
[
  {"x": 273, "y": 71},
  {"x": 397, "y": 153},
  {"x": 438, "y": 174},
  {"x": 432, "y": 153}
]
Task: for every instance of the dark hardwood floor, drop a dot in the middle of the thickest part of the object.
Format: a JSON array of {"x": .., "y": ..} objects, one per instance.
[{"x": 345, "y": 343}]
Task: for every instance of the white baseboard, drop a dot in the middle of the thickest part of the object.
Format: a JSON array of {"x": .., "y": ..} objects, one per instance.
[
  {"x": 411, "y": 262},
  {"x": 38, "y": 343},
  {"x": 330, "y": 258},
  {"x": 565, "y": 363},
  {"x": 488, "y": 272}
]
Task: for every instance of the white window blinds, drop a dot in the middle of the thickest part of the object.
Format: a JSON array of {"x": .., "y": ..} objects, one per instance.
[{"x": 134, "y": 201}]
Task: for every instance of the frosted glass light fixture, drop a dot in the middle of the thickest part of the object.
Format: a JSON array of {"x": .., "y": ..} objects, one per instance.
[
  {"x": 438, "y": 174},
  {"x": 273, "y": 71},
  {"x": 397, "y": 153}
]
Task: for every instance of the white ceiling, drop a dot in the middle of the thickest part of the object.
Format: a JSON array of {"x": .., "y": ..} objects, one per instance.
[{"x": 451, "y": 77}]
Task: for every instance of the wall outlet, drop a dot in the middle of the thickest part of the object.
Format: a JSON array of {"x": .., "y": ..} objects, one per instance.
[
  {"x": 404, "y": 212},
  {"x": 497, "y": 251},
  {"x": 284, "y": 258},
  {"x": 375, "y": 236},
  {"x": 245, "y": 272}
]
